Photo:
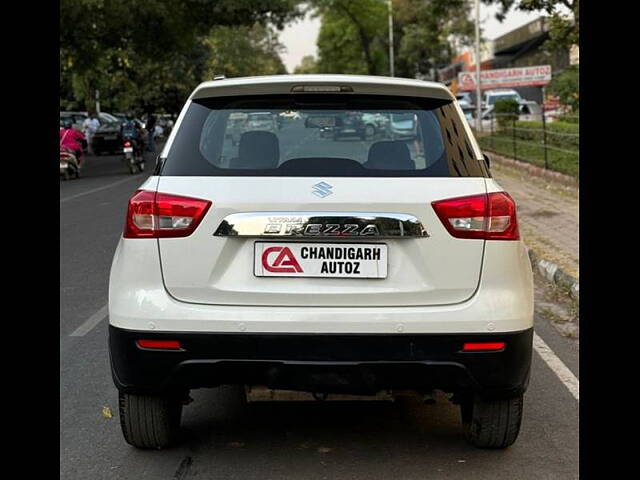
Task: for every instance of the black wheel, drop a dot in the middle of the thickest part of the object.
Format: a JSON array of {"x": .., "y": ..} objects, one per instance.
[
  {"x": 492, "y": 423},
  {"x": 132, "y": 167},
  {"x": 150, "y": 421},
  {"x": 65, "y": 175},
  {"x": 77, "y": 173}
]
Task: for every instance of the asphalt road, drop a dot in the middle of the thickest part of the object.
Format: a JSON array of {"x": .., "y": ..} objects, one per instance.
[{"x": 305, "y": 440}]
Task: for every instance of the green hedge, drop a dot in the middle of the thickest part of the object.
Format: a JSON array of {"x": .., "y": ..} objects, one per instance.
[
  {"x": 567, "y": 138},
  {"x": 567, "y": 163},
  {"x": 530, "y": 147}
]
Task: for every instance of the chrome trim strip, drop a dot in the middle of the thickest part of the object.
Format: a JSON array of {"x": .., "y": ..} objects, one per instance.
[{"x": 321, "y": 225}]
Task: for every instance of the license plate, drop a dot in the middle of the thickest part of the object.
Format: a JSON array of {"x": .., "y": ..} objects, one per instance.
[
  {"x": 331, "y": 260},
  {"x": 63, "y": 165},
  {"x": 128, "y": 149}
]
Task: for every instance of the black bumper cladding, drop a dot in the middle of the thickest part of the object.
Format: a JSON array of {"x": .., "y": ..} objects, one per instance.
[{"x": 333, "y": 363}]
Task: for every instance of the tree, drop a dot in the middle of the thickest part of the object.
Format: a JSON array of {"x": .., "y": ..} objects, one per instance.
[
  {"x": 99, "y": 38},
  {"x": 351, "y": 38},
  {"x": 308, "y": 64},
  {"x": 354, "y": 35},
  {"x": 425, "y": 33},
  {"x": 244, "y": 51},
  {"x": 567, "y": 87}
]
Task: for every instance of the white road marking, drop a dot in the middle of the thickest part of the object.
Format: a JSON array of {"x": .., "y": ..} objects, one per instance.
[
  {"x": 565, "y": 375},
  {"x": 93, "y": 190},
  {"x": 91, "y": 322}
]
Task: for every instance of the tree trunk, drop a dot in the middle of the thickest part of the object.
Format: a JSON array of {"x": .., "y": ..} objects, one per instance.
[{"x": 89, "y": 100}]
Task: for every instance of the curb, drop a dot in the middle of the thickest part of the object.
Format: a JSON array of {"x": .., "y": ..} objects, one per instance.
[{"x": 555, "y": 275}]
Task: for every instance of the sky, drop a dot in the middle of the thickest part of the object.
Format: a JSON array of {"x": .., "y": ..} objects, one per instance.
[{"x": 299, "y": 38}]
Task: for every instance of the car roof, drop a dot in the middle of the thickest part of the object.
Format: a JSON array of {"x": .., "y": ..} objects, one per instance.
[
  {"x": 281, "y": 84},
  {"x": 500, "y": 90}
]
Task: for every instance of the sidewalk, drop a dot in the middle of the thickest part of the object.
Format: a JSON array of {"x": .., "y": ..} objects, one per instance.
[{"x": 547, "y": 214}]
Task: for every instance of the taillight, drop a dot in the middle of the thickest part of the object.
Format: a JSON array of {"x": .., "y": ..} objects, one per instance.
[
  {"x": 127, "y": 144},
  {"x": 162, "y": 215},
  {"x": 487, "y": 216}
]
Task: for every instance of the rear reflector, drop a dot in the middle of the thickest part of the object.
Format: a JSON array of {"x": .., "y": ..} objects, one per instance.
[
  {"x": 483, "y": 347},
  {"x": 160, "y": 344},
  {"x": 486, "y": 216},
  {"x": 161, "y": 215}
]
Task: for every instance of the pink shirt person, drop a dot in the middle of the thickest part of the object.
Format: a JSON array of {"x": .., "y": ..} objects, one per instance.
[{"x": 72, "y": 139}]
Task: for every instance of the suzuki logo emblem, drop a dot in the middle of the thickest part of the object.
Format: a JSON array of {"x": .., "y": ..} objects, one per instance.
[
  {"x": 285, "y": 262},
  {"x": 322, "y": 189}
]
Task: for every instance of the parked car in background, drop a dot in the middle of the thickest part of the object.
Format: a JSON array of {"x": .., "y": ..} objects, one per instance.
[
  {"x": 107, "y": 117},
  {"x": 264, "y": 121},
  {"x": 464, "y": 96},
  {"x": 349, "y": 124},
  {"x": 468, "y": 110},
  {"x": 403, "y": 126},
  {"x": 530, "y": 111},
  {"x": 76, "y": 117},
  {"x": 492, "y": 96},
  {"x": 374, "y": 123},
  {"x": 79, "y": 117},
  {"x": 108, "y": 139},
  {"x": 165, "y": 122}
]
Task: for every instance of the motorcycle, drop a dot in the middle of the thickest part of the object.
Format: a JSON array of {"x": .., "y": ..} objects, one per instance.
[
  {"x": 133, "y": 155},
  {"x": 69, "y": 166}
]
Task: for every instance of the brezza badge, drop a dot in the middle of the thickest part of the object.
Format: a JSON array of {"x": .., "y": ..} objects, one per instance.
[
  {"x": 320, "y": 229},
  {"x": 280, "y": 260}
]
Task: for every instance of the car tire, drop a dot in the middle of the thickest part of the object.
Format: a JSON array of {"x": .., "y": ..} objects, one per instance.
[
  {"x": 369, "y": 131},
  {"x": 150, "y": 421},
  {"x": 492, "y": 424}
]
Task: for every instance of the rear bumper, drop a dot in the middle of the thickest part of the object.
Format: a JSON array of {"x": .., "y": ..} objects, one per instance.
[{"x": 332, "y": 363}]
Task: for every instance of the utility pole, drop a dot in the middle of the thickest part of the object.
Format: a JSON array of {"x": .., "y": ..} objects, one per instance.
[
  {"x": 391, "y": 67},
  {"x": 97, "y": 102},
  {"x": 478, "y": 90}
]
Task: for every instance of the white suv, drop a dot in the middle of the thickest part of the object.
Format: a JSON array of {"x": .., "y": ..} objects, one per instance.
[{"x": 294, "y": 261}]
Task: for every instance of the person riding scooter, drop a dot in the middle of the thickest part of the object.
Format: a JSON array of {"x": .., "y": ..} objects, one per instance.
[
  {"x": 132, "y": 131},
  {"x": 72, "y": 139}
]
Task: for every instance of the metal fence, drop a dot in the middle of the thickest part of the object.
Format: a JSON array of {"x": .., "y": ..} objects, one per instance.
[{"x": 513, "y": 136}]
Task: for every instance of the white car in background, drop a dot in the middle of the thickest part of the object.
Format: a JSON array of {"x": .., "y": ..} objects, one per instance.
[
  {"x": 296, "y": 262},
  {"x": 490, "y": 97}
]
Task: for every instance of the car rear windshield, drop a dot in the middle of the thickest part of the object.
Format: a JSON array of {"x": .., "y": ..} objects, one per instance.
[{"x": 310, "y": 135}]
